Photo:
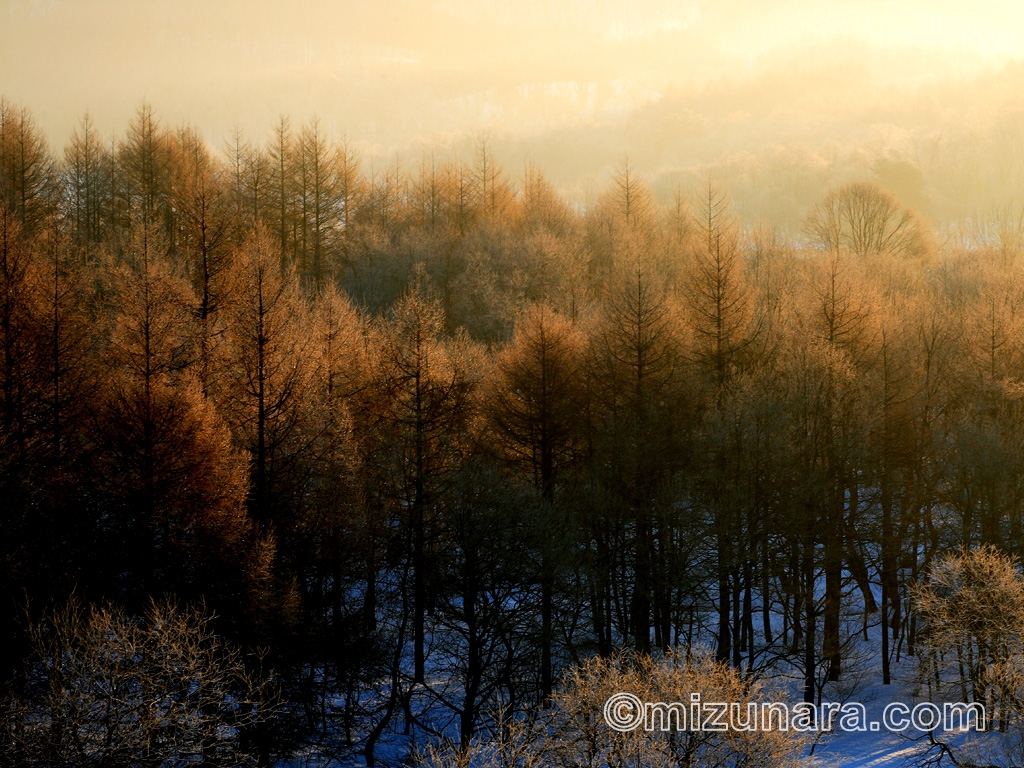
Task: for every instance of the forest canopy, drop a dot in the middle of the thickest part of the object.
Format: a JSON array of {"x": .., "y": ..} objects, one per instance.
[{"x": 422, "y": 439}]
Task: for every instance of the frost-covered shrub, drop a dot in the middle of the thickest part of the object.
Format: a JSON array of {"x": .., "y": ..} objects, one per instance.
[
  {"x": 105, "y": 688},
  {"x": 573, "y": 733},
  {"x": 973, "y": 641}
]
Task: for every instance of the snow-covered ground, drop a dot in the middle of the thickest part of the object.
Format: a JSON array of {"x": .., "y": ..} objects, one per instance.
[
  {"x": 860, "y": 682},
  {"x": 868, "y": 749}
]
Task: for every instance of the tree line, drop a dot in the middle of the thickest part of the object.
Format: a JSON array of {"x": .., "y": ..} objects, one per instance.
[{"x": 432, "y": 436}]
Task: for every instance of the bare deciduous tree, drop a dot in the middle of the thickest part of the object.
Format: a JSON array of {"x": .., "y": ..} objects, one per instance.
[{"x": 864, "y": 219}]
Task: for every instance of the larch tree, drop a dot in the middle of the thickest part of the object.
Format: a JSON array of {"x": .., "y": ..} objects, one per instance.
[
  {"x": 320, "y": 203},
  {"x": 817, "y": 388},
  {"x": 65, "y": 379},
  {"x": 144, "y": 160},
  {"x": 281, "y": 152},
  {"x": 18, "y": 390},
  {"x": 720, "y": 300},
  {"x": 386, "y": 204},
  {"x": 15, "y": 297},
  {"x": 428, "y": 390},
  {"x": 428, "y": 195},
  {"x": 268, "y": 379},
  {"x": 88, "y": 185},
  {"x": 494, "y": 193},
  {"x": 840, "y": 311},
  {"x": 486, "y": 615},
  {"x": 248, "y": 167},
  {"x": 350, "y": 191},
  {"x": 205, "y": 233},
  {"x": 891, "y": 440},
  {"x": 934, "y": 349},
  {"x": 29, "y": 200},
  {"x": 26, "y": 197},
  {"x": 635, "y": 374},
  {"x": 540, "y": 206},
  {"x": 534, "y": 396},
  {"x": 983, "y": 457},
  {"x": 344, "y": 535},
  {"x": 165, "y": 460},
  {"x": 462, "y": 204},
  {"x": 532, "y": 401},
  {"x": 27, "y": 171},
  {"x": 621, "y": 228},
  {"x": 721, "y": 308},
  {"x": 632, "y": 202}
]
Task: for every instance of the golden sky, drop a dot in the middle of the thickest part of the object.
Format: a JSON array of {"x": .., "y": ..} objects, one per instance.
[{"x": 396, "y": 73}]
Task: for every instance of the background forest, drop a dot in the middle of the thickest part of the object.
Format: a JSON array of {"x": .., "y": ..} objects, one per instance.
[{"x": 317, "y": 455}]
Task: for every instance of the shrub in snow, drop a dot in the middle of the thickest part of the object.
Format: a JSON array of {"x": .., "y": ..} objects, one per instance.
[
  {"x": 973, "y": 641},
  {"x": 105, "y": 688},
  {"x": 573, "y": 732}
]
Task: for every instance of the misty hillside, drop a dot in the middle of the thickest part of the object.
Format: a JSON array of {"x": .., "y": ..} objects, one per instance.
[{"x": 679, "y": 88}]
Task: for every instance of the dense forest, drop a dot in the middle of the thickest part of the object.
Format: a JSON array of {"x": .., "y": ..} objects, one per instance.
[{"x": 402, "y": 451}]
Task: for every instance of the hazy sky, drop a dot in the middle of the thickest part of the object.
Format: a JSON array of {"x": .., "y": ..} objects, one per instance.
[{"x": 397, "y": 73}]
